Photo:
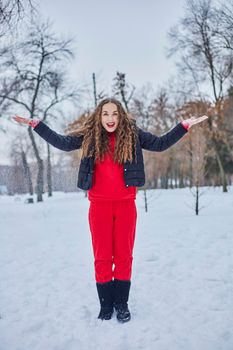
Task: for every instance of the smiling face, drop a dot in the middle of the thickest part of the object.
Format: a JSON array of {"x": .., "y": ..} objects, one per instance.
[{"x": 109, "y": 116}]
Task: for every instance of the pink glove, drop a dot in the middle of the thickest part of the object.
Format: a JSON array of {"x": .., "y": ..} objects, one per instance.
[
  {"x": 185, "y": 124},
  {"x": 33, "y": 123}
]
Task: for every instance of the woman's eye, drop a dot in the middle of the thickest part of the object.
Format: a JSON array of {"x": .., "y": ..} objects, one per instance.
[{"x": 106, "y": 114}]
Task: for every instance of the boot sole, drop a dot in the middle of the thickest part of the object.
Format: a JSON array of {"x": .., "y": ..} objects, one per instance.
[
  {"x": 109, "y": 317},
  {"x": 123, "y": 320}
]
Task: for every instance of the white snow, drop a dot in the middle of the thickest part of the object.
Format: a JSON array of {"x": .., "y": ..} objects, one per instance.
[{"x": 181, "y": 296}]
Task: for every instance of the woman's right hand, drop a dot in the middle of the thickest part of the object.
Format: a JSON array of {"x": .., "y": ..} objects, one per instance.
[
  {"x": 22, "y": 120},
  {"x": 32, "y": 122}
]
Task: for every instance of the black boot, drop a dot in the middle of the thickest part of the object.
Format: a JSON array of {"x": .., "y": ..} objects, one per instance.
[
  {"x": 105, "y": 294},
  {"x": 121, "y": 295}
]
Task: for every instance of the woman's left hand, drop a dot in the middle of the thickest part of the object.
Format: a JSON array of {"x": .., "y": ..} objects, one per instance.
[{"x": 193, "y": 120}]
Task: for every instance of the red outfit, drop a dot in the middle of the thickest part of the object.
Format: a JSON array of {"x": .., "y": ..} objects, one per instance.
[{"x": 112, "y": 219}]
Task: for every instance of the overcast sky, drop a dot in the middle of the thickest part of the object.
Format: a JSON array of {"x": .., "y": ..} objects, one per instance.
[
  {"x": 125, "y": 35},
  {"x": 129, "y": 36}
]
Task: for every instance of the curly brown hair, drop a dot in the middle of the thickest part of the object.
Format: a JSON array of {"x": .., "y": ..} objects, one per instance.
[{"x": 96, "y": 139}]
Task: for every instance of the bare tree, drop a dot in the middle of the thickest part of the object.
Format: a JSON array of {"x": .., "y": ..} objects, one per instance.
[
  {"x": 164, "y": 118},
  {"x": 12, "y": 12},
  {"x": 199, "y": 154},
  {"x": 34, "y": 80},
  {"x": 94, "y": 88},
  {"x": 19, "y": 156},
  {"x": 148, "y": 196},
  {"x": 97, "y": 96},
  {"x": 123, "y": 89},
  {"x": 142, "y": 108},
  {"x": 200, "y": 38}
]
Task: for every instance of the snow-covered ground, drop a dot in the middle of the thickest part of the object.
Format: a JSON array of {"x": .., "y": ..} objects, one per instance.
[{"x": 181, "y": 296}]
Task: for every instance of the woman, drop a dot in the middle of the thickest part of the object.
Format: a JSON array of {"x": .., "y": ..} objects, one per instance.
[{"x": 111, "y": 169}]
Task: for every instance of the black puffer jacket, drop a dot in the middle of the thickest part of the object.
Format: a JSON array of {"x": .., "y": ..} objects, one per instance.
[{"x": 134, "y": 174}]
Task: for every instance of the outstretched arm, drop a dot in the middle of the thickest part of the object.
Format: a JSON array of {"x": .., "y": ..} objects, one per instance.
[
  {"x": 63, "y": 142},
  {"x": 156, "y": 143}
]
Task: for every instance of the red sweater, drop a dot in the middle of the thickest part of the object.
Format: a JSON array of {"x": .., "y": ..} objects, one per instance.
[{"x": 108, "y": 179}]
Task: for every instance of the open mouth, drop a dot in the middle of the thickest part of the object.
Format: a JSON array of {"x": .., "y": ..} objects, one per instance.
[{"x": 110, "y": 125}]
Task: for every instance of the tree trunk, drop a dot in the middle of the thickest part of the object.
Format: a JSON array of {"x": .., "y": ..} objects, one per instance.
[
  {"x": 40, "y": 181},
  {"x": 27, "y": 173},
  {"x": 190, "y": 163},
  {"x": 197, "y": 200},
  {"x": 166, "y": 180},
  {"x": 94, "y": 88},
  {"x": 40, "y": 174},
  {"x": 181, "y": 180},
  {"x": 145, "y": 199},
  {"x": 49, "y": 172},
  {"x": 221, "y": 168},
  {"x": 216, "y": 149}
]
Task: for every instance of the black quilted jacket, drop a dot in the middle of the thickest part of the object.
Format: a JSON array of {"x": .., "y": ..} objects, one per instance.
[{"x": 134, "y": 174}]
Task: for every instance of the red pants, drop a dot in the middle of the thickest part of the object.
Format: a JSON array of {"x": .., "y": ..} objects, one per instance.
[{"x": 113, "y": 226}]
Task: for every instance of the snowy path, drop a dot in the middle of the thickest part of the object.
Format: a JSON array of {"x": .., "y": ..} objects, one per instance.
[{"x": 182, "y": 284}]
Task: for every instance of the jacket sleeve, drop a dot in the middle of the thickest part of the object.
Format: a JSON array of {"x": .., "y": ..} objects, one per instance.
[
  {"x": 155, "y": 143},
  {"x": 63, "y": 142}
]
